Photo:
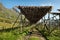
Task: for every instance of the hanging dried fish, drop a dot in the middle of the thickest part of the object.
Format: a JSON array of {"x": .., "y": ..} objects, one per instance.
[{"x": 34, "y": 13}]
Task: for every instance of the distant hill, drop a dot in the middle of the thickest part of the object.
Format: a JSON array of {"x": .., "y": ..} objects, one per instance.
[{"x": 7, "y": 13}]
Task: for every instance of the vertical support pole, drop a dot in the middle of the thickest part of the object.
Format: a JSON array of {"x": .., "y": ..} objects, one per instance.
[
  {"x": 44, "y": 22},
  {"x": 49, "y": 20},
  {"x": 59, "y": 20},
  {"x": 44, "y": 19},
  {"x": 53, "y": 20},
  {"x": 21, "y": 23}
]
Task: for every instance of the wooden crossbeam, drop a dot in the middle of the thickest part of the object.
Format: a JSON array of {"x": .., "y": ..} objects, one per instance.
[{"x": 56, "y": 13}]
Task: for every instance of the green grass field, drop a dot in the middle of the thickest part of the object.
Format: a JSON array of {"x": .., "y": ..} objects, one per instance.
[
  {"x": 7, "y": 19},
  {"x": 34, "y": 38},
  {"x": 15, "y": 35}
]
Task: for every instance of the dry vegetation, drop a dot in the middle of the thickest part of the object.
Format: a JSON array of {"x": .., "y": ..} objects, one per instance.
[{"x": 7, "y": 22}]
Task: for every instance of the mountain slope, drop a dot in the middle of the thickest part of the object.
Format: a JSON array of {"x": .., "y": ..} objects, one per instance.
[
  {"x": 7, "y": 13},
  {"x": 7, "y": 17}
]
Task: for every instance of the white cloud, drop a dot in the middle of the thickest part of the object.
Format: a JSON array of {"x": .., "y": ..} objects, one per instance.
[{"x": 47, "y": 4}]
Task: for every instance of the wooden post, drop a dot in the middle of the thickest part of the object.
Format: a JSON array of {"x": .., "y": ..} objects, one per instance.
[
  {"x": 59, "y": 20},
  {"x": 21, "y": 23},
  {"x": 44, "y": 22},
  {"x": 49, "y": 20},
  {"x": 59, "y": 17}
]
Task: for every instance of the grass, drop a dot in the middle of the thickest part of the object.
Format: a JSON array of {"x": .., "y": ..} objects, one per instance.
[
  {"x": 7, "y": 18},
  {"x": 12, "y": 35},
  {"x": 7, "y": 36},
  {"x": 16, "y": 35},
  {"x": 6, "y": 25},
  {"x": 55, "y": 35},
  {"x": 34, "y": 38}
]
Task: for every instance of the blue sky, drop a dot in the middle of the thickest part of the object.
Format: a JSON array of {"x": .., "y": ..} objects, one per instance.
[{"x": 12, "y": 3}]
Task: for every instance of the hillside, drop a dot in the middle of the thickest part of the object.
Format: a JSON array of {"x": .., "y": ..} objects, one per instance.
[
  {"x": 7, "y": 17},
  {"x": 7, "y": 13}
]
